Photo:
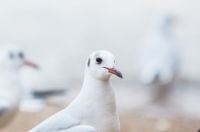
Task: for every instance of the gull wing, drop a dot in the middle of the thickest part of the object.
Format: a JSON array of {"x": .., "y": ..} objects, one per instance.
[{"x": 59, "y": 122}]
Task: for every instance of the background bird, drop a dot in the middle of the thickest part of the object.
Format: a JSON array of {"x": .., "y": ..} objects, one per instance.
[
  {"x": 11, "y": 91},
  {"x": 94, "y": 109},
  {"x": 160, "y": 58}
]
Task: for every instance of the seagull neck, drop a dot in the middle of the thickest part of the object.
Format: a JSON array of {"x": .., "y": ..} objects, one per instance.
[{"x": 91, "y": 83}]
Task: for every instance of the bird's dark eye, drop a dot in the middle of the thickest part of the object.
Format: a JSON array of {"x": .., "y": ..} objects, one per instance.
[
  {"x": 99, "y": 60},
  {"x": 11, "y": 56},
  {"x": 21, "y": 55}
]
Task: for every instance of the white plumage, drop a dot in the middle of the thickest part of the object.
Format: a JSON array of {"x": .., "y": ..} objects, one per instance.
[
  {"x": 10, "y": 94},
  {"x": 94, "y": 109}
]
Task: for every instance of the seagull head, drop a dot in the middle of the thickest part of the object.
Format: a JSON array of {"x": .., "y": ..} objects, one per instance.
[
  {"x": 13, "y": 57},
  {"x": 101, "y": 65}
]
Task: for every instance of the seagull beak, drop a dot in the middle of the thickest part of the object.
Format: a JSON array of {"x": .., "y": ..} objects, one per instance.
[
  {"x": 30, "y": 64},
  {"x": 114, "y": 71}
]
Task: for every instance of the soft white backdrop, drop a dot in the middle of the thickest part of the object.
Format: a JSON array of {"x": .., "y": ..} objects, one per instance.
[{"x": 59, "y": 34}]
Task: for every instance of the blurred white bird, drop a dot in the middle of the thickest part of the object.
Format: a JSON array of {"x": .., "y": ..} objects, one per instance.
[
  {"x": 11, "y": 60},
  {"x": 160, "y": 57},
  {"x": 94, "y": 110}
]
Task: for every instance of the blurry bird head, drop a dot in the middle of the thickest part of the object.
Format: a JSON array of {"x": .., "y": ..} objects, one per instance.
[
  {"x": 101, "y": 65},
  {"x": 14, "y": 58},
  {"x": 165, "y": 22}
]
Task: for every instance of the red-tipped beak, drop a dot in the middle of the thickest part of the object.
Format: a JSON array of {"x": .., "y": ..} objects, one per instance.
[
  {"x": 114, "y": 71},
  {"x": 30, "y": 64}
]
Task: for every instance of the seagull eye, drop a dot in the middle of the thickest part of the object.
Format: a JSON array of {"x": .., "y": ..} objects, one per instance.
[
  {"x": 99, "y": 60},
  {"x": 21, "y": 55}
]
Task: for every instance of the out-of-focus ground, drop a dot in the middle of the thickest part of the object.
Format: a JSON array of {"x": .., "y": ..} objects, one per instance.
[
  {"x": 137, "y": 114},
  {"x": 131, "y": 122}
]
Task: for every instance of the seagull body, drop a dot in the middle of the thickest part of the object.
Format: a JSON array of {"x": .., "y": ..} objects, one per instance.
[
  {"x": 94, "y": 110},
  {"x": 11, "y": 59},
  {"x": 160, "y": 62},
  {"x": 10, "y": 95}
]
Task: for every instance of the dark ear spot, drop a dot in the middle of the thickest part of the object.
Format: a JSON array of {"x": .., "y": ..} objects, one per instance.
[{"x": 88, "y": 63}]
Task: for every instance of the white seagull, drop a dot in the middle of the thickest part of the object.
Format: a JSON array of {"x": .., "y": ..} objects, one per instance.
[
  {"x": 94, "y": 110},
  {"x": 11, "y": 60},
  {"x": 160, "y": 57}
]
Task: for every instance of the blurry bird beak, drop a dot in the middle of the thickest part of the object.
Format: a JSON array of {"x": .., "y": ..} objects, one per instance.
[
  {"x": 114, "y": 71},
  {"x": 30, "y": 64}
]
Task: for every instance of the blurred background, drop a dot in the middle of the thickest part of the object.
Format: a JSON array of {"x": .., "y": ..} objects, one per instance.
[{"x": 59, "y": 36}]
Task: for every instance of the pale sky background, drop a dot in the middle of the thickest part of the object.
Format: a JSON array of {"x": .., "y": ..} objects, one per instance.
[{"x": 60, "y": 34}]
